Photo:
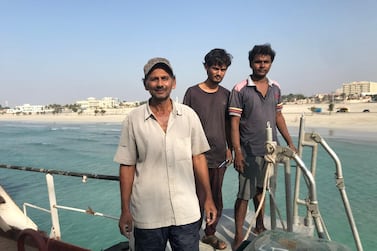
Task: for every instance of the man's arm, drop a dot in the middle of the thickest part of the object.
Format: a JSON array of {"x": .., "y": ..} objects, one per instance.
[
  {"x": 201, "y": 173},
  {"x": 282, "y": 127},
  {"x": 239, "y": 161},
  {"x": 229, "y": 156},
  {"x": 126, "y": 180}
]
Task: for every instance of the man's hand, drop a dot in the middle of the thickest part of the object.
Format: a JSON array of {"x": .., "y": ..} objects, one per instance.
[
  {"x": 211, "y": 212},
  {"x": 229, "y": 157},
  {"x": 125, "y": 224},
  {"x": 239, "y": 161},
  {"x": 293, "y": 148}
]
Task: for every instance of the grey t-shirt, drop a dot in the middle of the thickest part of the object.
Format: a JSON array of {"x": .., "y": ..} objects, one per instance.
[{"x": 255, "y": 111}]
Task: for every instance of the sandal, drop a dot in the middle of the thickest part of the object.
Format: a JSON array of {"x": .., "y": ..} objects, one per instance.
[
  {"x": 258, "y": 231},
  {"x": 214, "y": 242}
]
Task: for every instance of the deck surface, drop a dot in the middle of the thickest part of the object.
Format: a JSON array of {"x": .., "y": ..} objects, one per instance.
[
  {"x": 11, "y": 245},
  {"x": 225, "y": 231}
]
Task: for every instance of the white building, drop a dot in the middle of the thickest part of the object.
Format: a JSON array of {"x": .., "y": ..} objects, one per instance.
[
  {"x": 360, "y": 88},
  {"x": 131, "y": 104},
  {"x": 109, "y": 102},
  {"x": 93, "y": 103},
  {"x": 29, "y": 109}
]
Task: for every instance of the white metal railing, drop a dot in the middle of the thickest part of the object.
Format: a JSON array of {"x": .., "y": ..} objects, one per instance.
[
  {"x": 313, "y": 140},
  {"x": 54, "y": 207},
  {"x": 283, "y": 155}
]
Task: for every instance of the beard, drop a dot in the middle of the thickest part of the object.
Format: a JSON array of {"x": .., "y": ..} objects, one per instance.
[{"x": 216, "y": 79}]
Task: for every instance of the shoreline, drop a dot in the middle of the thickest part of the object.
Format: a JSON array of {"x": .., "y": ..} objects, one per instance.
[
  {"x": 353, "y": 121},
  {"x": 63, "y": 118}
]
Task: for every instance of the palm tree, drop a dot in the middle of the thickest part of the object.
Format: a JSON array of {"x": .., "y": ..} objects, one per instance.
[{"x": 331, "y": 107}]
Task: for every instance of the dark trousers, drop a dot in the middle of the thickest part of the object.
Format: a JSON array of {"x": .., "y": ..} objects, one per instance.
[
  {"x": 216, "y": 178},
  {"x": 181, "y": 238}
]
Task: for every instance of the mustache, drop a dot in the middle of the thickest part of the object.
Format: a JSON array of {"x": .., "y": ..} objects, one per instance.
[{"x": 159, "y": 88}]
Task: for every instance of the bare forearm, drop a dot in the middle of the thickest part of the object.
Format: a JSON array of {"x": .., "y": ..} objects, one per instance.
[
  {"x": 228, "y": 134},
  {"x": 201, "y": 173},
  {"x": 235, "y": 133},
  {"x": 282, "y": 127},
  {"x": 126, "y": 178},
  {"x": 239, "y": 161}
]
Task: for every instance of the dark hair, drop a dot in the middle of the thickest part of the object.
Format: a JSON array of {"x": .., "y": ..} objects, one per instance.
[
  {"x": 217, "y": 57},
  {"x": 263, "y": 49}
]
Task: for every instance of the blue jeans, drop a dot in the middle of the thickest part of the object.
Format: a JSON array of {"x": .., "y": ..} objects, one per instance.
[{"x": 181, "y": 238}]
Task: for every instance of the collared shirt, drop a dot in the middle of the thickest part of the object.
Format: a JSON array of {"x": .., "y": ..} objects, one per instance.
[
  {"x": 163, "y": 192},
  {"x": 255, "y": 111}
]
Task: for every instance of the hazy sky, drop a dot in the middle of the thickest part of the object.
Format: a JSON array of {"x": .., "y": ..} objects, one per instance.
[{"x": 64, "y": 51}]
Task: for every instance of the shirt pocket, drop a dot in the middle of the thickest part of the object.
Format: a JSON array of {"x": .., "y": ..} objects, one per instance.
[{"x": 182, "y": 148}]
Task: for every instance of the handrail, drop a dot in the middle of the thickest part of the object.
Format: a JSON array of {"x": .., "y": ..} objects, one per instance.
[
  {"x": 84, "y": 176},
  {"x": 312, "y": 203},
  {"x": 341, "y": 186},
  {"x": 53, "y": 211},
  {"x": 312, "y": 140}
]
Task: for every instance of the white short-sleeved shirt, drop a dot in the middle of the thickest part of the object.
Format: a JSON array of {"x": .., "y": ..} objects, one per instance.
[{"x": 163, "y": 192}]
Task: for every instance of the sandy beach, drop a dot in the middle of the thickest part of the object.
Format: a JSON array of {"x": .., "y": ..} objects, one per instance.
[{"x": 354, "y": 120}]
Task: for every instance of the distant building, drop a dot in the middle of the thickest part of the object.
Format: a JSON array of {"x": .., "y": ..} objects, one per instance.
[
  {"x": 93, "y": 103},
  {"x": 130, "y": 104},
  {"x": 29, "y": 109},
  {"x": 360, "y": 88}
]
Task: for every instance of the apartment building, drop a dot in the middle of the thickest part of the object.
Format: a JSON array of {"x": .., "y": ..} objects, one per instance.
[
  {"x": 360, "y": 88},
  {"x": 93, "y": 103}
]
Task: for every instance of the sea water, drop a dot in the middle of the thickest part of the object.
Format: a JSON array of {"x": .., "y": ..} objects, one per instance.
[{"x": 90, "y": 148}]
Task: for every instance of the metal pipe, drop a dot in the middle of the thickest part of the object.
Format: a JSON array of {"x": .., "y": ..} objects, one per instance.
[
  {"x": 84, "y": 176},
  {"x": 288, "y": 194},
  {"x": 296, "y": 194},
  {"x": 55, "y": 231},
  {"x": 341, "y": 186},
  {"x": 35, "y": 207},
  {"x": 313, "y": 201},
  {"x": 86, "y": 211}
]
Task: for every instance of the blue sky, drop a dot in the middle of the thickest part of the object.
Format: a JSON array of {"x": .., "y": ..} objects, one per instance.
[{"x": 69, "y": 50}]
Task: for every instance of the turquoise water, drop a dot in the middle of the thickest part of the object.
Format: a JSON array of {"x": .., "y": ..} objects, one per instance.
[{"x": 90, "y": 148}]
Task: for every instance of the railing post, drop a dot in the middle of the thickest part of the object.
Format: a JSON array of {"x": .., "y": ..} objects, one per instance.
[{"x": 55, "y": 229}]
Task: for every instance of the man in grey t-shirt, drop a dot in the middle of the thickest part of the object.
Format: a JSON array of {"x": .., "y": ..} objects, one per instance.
[{"x": 254, "y": 102}]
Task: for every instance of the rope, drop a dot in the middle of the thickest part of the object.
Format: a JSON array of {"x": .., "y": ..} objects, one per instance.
[
  {"x": 265, "y": 182},
  {"x": 270, "y": 158}
]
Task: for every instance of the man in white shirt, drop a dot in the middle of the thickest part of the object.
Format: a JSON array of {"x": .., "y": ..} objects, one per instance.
[{"x": 160, "y": 151}]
